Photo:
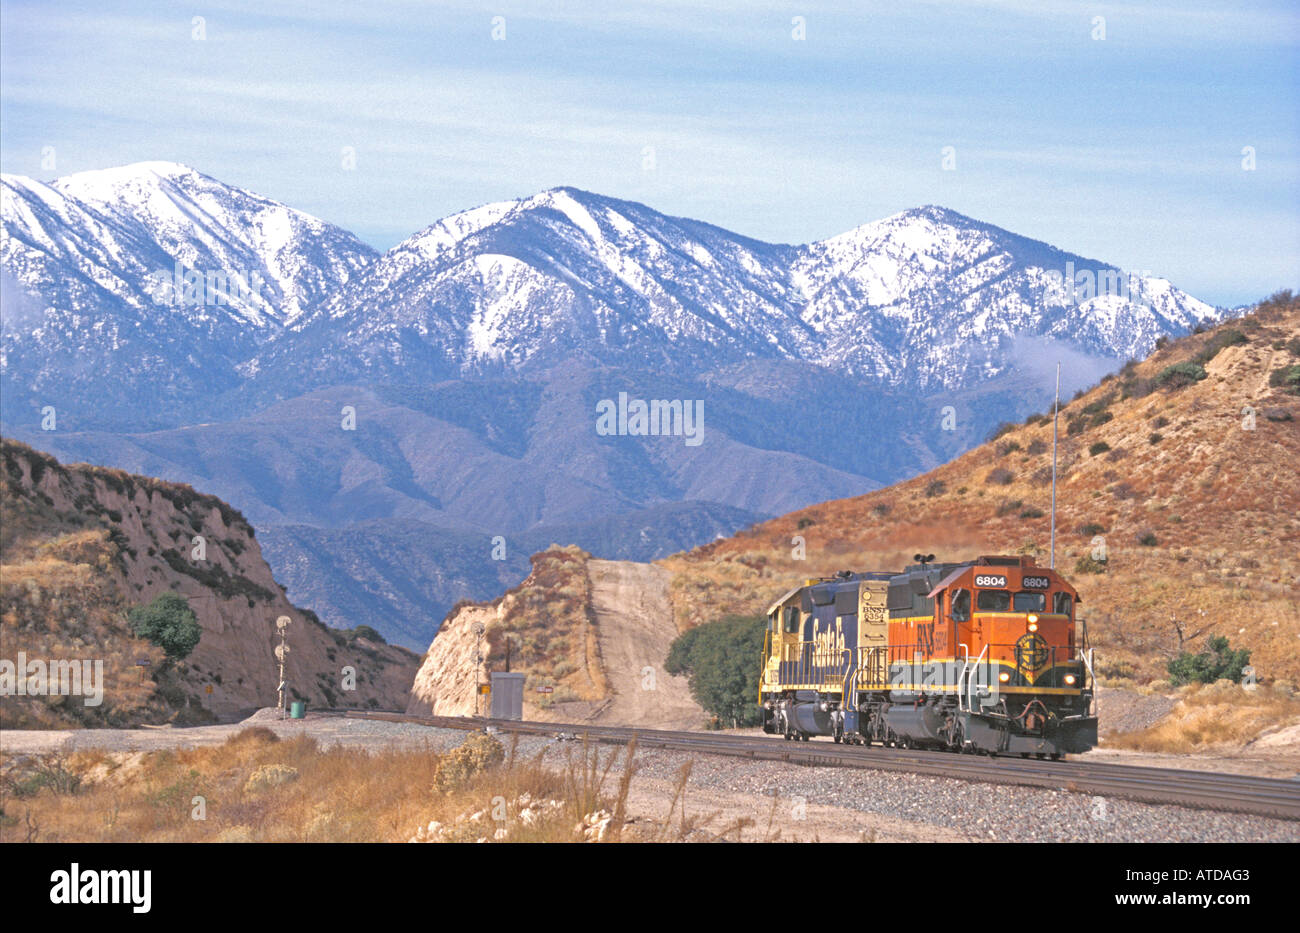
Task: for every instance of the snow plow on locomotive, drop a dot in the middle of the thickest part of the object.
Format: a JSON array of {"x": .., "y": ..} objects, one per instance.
[{"x": 983, "y": 656}]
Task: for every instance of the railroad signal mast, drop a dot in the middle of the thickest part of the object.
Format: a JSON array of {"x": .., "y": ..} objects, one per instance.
[
  {"x": 281, "y": 652},
  {"x": 479, "y": 628}
]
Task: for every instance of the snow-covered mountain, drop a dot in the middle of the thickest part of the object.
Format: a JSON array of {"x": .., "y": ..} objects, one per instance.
[
  {"x": 169, "y": 289},
  {"x": 925, "y": 299},
  {"x": 141, "y": 287}
]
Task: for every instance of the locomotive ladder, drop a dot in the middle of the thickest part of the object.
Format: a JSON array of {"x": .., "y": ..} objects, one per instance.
[{"x": 965, "y": 686}]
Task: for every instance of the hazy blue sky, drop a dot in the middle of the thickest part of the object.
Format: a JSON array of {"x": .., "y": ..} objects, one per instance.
[{"x": 1126, "y": 149}]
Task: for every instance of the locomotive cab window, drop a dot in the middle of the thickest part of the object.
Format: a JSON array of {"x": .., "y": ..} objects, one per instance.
[
  {"x": 961, "y": 606},
  {"x": 1030, "y": 602},
  {"x": 1062, "y": 604},
  {"x": 993, "y": 601},
  {"x": 791, "y": 620}
]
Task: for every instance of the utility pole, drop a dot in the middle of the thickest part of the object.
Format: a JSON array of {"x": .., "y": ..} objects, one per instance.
[{"x": 1056, "y": 408}]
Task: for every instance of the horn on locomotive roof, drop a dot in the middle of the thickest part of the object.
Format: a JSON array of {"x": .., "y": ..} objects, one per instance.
[{"x": 923, "y": 559}]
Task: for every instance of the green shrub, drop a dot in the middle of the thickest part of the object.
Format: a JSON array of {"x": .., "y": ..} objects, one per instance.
[
  {"x": 1099, "y": 448},
  {"x": 1216, "y": 662},
  {"x": 1224, "y": 338},
  {"x": 1091, "y": 528},
  {"x": 169, "y": 623},
  {"x": 478, "y": 753},
  {"x": 1031, "y": 512},
  {"x": 1003, "y": 428},
  {"x": 936, "y": 487},
  {"x": 1287, "y": 378},
  {"x": 1007, "y": 506},
  {"x": 722, "y": 661},
  {"x": 1086, "y": 564},
  {"x": 1155, "y": 437},
  {"x": 1148, "y": 539},
  {"x": 268, "y": 776},
  {"x": 369, "y": 634},
  {"x": 1180, "y": 374},
  {"x": 1001, "y": 476}
]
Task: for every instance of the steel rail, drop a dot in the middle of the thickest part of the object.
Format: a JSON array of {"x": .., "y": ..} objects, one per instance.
[{"x": 1205, "y": 790}]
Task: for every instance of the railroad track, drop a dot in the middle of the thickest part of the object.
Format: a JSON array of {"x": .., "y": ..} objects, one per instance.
[{"x": 1204, "y": 790}]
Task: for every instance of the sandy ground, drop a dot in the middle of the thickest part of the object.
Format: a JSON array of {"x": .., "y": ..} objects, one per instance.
[{"x": 634, "y": 625}]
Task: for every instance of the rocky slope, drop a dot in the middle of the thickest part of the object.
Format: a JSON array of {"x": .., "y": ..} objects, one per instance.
[
  {"x": 548, "y": 626},
  {"x": 81, "y": 546}
]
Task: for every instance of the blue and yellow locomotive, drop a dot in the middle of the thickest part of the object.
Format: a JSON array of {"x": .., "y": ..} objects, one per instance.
[{"x": 983, "y": 656}]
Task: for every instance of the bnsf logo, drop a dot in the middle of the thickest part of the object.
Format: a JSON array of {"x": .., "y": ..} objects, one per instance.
[{"x": 989, "y": 580}]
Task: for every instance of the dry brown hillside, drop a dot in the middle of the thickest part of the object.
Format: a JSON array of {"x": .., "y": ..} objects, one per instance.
[
  {"x": 1190, "y": 484},
  {"x": 80, "y": 546}
]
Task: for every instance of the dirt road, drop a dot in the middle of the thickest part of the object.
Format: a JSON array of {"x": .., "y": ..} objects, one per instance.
[{"x": 634, "y": 625}]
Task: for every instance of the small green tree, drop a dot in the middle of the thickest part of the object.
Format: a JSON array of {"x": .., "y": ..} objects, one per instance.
[
  {"x": 368, "y": 633},
  {"x": 169, "y": 623},
  {"x": 722, "y": 661},
  {"x": 1216, "y": 662}
]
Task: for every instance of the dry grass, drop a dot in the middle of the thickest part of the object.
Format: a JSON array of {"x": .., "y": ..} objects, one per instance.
[
  {"x": 257, "y": 788},
  {"x": 1218, "y": 716}
]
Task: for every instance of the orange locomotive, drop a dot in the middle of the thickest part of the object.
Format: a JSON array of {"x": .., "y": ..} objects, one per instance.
[{"x": 982, "y": 656}]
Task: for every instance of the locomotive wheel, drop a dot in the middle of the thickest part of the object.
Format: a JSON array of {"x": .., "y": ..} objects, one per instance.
[
  {"x": 788, "y": 737},
  {"x": 1057, "y": 756}
]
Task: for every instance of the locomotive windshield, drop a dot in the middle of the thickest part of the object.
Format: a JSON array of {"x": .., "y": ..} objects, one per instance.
[
  {"x": 1030, "y": 602},
  {"x": 993, "y": 601},
  {"x": 1062, "y": 604}
]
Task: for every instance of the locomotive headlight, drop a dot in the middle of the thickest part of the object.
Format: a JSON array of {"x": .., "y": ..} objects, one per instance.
[
  {"x": 1033, "y": 622},
  {"x": 1004, "y": 677},
  {"x": 1070, "y": 679}
]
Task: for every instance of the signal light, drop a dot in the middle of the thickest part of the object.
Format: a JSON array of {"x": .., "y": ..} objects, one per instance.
[{"x": 1070, "y": 679}]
